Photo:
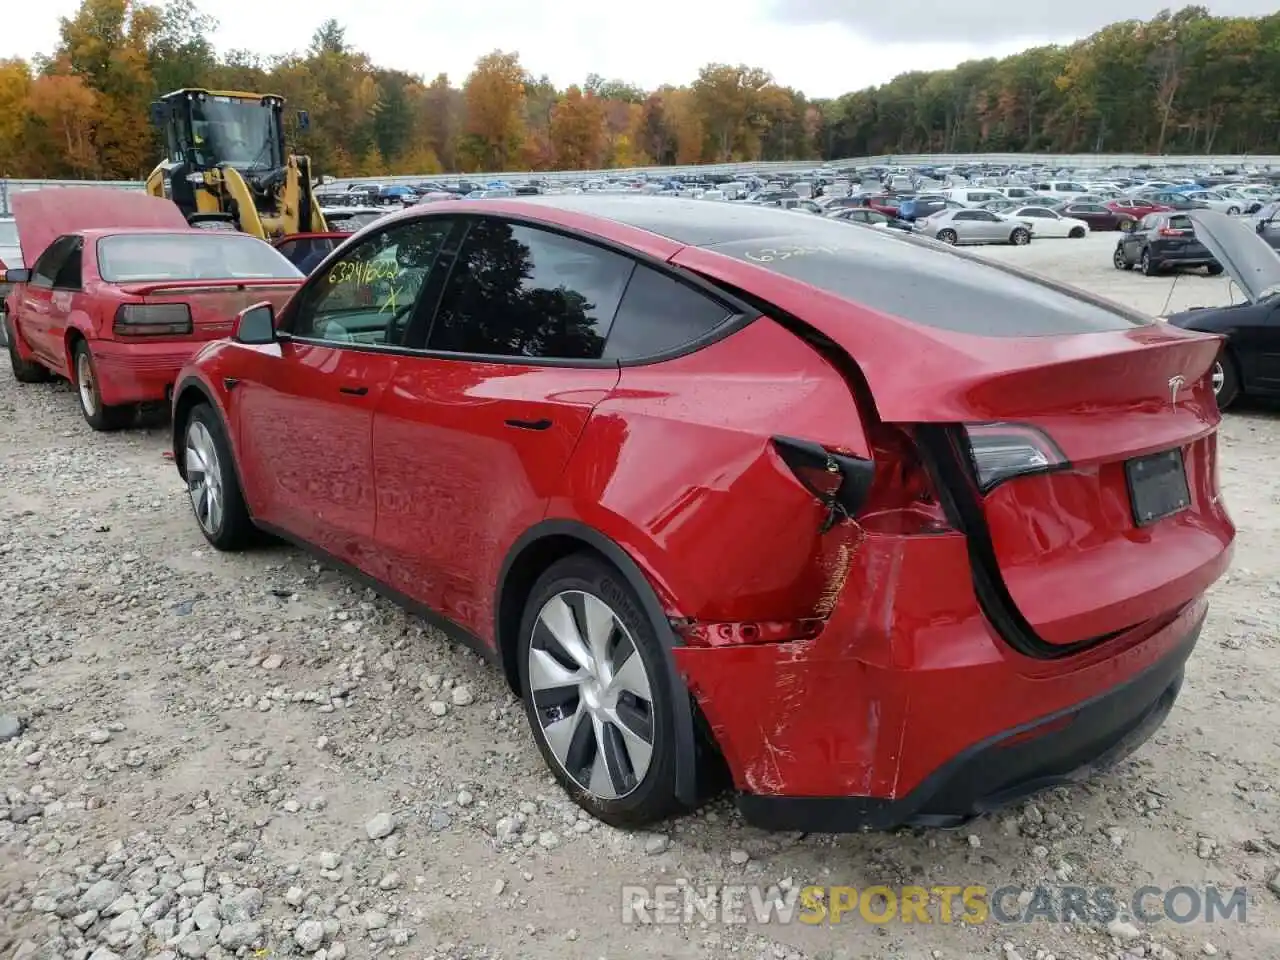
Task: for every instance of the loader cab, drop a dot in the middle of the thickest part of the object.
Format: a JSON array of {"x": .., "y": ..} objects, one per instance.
[{"x": 203, "y": 129}]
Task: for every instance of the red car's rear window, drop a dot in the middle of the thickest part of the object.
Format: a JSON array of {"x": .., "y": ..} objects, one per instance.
[
  {"x": 912, "y": 278},
  {"x": 197, "y": 255}
]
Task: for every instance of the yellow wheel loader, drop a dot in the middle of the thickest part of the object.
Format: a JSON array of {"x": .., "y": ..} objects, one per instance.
[{"x": 226, "y": 166}]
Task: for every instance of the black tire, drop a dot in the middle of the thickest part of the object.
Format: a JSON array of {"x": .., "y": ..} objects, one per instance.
[
  {"x": 1213, "y": 269},
  {"x": 1148, "y": 268},
  {"x": 949, "y": 236},
  {"x": 1020, "y": 237},
  {"x": 100, "y": 417},
  {"x": 1119, "y": 260},
  {"x": 1229, "y": 390},
  {"x": 1233, "y": 211},
  {"x": 24, "y": 371},
  {"x": 650, "y": 796},
  {"x": 233, "y": 530},
  {"x": 1077, "y": 233}
]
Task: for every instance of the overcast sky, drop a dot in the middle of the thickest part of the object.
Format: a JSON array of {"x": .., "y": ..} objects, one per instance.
[{"x": 823, "y": 47}]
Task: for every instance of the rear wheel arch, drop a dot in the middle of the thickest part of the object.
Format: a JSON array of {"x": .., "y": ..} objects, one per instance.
[
  {"x": 534, "y": 552},
  {"x": 72, "y": 337}
]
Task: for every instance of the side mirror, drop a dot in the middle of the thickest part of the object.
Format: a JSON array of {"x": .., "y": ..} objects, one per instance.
[
  {"x": 304, "y": 120},
  {"x": 256, "y": 325},
  {"x": 159, "y": 113},
  {"x": 15, "y": 276}
]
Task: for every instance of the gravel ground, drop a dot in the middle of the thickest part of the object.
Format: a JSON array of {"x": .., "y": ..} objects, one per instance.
[{"x": 216, "y": 756}]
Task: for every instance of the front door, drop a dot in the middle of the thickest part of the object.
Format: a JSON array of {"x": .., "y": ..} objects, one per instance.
[
  {"x": 305, "y": 410},
  {"x": 472, "y": 439},
  {"x": 37, "y": 319}
]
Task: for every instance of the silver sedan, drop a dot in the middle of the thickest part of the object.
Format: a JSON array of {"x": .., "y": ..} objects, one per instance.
[{"x": 974, "y": 226}]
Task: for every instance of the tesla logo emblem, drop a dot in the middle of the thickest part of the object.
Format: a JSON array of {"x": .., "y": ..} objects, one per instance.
[{"x": 1175, "y": 384}]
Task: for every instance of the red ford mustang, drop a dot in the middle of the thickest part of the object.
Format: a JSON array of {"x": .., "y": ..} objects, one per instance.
[
  {"x": 121, "y": 292},
  {"x": 896, "y": 534}
]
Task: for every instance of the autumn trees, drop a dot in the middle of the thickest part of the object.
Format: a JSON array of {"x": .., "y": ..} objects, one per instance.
[{"x": 1181, "y": 82}]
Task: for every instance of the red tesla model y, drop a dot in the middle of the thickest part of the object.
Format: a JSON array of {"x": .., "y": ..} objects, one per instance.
[{"x": 892, "y": 534}]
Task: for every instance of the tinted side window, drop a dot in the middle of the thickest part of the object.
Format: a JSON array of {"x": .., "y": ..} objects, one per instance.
[
  {"x": 517, "y": 291},
  {"x": 68, "y": 277},
  {"x": 659, "y": 314},
  {"x": 51, "y": 261},
  {"x": 368, "y": 296},
  {"x": 966, "y": 215}
]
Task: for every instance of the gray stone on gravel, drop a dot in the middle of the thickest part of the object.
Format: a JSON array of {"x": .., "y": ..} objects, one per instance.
[
  {"x": 10, "y": 727},
  {"x": 24, "y": 812},
  {"x": 99, "y": 896},
  {"x": 196, "y": 943},
  {"x": 382, "y": 825},
  {"x": 236, "y": 935},
  {"x": 309, "y": 935},
  {"x": 102, "y": 953},
  {"x": 243, "y": 907}
]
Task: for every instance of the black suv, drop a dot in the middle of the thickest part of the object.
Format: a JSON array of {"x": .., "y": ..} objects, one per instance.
[{"x": 1163, "y": 241}]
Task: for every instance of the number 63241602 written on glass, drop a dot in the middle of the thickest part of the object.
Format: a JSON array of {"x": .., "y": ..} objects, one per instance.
[{"x": 769, "y": 254}]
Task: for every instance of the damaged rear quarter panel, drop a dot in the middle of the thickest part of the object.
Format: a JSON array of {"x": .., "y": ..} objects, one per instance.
[{"x": 677, "y": 466}]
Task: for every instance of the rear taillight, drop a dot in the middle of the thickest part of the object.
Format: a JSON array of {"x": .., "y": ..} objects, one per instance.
[
  {"x": 1002, "y": 451},
  {"x": 1173, "y": 232},
  {"x": 153, "y": 320}
]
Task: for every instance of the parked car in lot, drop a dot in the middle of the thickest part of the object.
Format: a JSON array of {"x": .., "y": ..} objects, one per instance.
[
  {"x": 306, "y": 251},
  {"x": 1136, "y": 207},
  {"x": 1097, "y": 216},
  {"x": 121, "y": 293},
  {"x": 662, "y": 462},
  {"x": 974, "y": 226},
  {"x": 1249, "y": 362},
  {"x": 1161, "y": 242},
  {"x": 870, "y": 217},
  {"x": 10, "y": 258},
  {"x": 1266, "y": 223},
  {"x": 1044, "y": 222}
]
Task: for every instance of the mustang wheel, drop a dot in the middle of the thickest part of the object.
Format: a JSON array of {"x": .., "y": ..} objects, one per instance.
[
  {"x": 216, "y": 498},
  {"x": 85, "y": 377},
  {"x": 597, "y": 692}
]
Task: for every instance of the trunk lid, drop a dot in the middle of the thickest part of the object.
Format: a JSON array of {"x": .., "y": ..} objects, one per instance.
[
  {"x": 1235, "y": 243},
  {"x": 1034, "y": 405},
  {"x": 44, "y": 215},
  {"x": 214, "y": 304}
]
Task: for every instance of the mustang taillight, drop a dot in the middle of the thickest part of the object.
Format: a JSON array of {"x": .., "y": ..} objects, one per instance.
[
  {"x": 1002, "y": 451},
  {"x": 153, "y": 320}
]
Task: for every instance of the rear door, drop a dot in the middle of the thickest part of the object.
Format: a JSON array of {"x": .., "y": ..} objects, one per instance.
[{"x": 472, "y": 437}]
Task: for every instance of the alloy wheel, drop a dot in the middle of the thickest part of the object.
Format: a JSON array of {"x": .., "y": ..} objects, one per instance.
[
  {"x": 591, "y": 694},
  {"x": 1218, "y": 377},
  {"x": 85, "y": 384},
  {"x": 204, "y": 477}
]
